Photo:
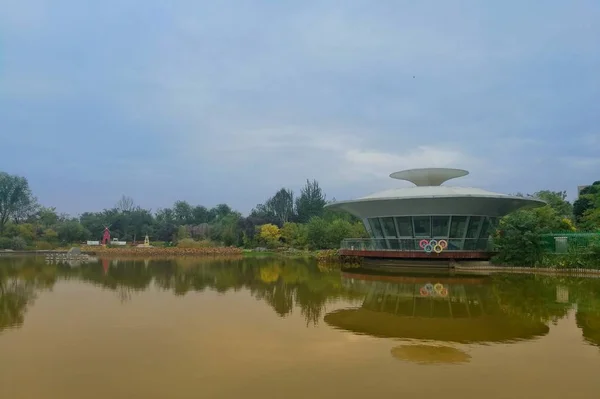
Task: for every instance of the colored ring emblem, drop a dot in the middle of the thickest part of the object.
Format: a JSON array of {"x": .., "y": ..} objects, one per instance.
[
  {"x": 444, "y": 292},
  {"x": 433, "y": 245},
  {"x": 438, "y": 287},
  {"x": 428, "y": 287},
  {"x": 423, "y": 291}
]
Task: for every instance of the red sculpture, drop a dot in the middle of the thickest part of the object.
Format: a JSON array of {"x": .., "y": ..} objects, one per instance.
[{"x": 106, "y": 236}]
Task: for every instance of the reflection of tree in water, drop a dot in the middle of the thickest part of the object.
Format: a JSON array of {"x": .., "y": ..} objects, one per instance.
[
  {"x": 18, "y": 287},
  {"x": 590, "y": 326},
  {"x": 284, "y": 284},
  {"x": 15, "y": 296},
  {"x": 529, "y": 296}
]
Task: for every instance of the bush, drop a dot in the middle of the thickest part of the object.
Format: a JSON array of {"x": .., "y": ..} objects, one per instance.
[
  {"x": 5, "y": 243},
  {"x": 18, "y": 244},
  {"x": 43, "y": 245},
  {"x": 191, "y": 243}
]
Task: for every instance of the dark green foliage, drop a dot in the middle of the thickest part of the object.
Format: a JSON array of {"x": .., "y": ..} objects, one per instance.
[
  {"x": 518, "y": 239},
  {"x": 311, "y": 202},
  {"x": 16, "y": 200}
]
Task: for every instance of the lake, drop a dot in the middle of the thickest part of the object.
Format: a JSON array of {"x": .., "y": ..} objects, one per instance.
[{"x": 287, "y": 328}]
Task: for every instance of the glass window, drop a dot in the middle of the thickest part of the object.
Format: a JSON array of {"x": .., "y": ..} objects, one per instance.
[
  {"x": 474, "y": 226},
  {"x": 404, "y": 227},
  {"x": 439, "y": 226},
  {"x": 375, "y": 227},
  {"x": 457, "y": 228},
  {"x": 389, "y": 228},
  {"x": 485, "y": 229},
  {"x": 422, "y": 226}
]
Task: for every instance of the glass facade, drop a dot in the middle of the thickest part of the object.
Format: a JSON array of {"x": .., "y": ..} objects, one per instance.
[{"x": 463, "y": 233}]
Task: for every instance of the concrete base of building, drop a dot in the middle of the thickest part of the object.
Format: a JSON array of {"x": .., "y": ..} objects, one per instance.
[{"x": 420, "y": 255}]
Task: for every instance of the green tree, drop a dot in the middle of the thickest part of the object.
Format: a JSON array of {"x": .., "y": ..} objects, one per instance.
[
  {"x": 557, "y": 200},
  {"x": 295, "y": 234},
  {"x": 71, "y": 232},
  {"x": 518, "y": 239},
  {"x": 311, "y": 201},
  {"x": 281, "y": 205},
  {"x": 47, "y": 217},
  {"x": 317, "y": 233},
  {"x": 183, "y": 212},
  {"x": 589, "y": 198},
  {"x": 225, "y": 229},
  {"x": 16, "y": 200}
]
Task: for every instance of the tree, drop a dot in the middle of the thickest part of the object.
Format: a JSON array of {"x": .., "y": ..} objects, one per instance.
[
  {"x": 294, "y": 234},
  {"x": 47, "y": 217},
  {"x": 591, "y": 219},
  {"x": 183, "y": 212},
  {"x": 317, "y": 233},
  {"x": 589, "y": 198},
  {"x": 518, "y": 239},
  {"x": 281, "y": 205},
  {"x": 557, "y": 200},
  {"x": 16, "y": 199},
  {"x": 269, "y": 234},
  {"x": 125, "y": 204},
  {"x": 72, "y": 231},
  {"x": 311, "y": 201},
  {"x": 200, "y": 214},
  {"x": 226, "y": 229}
]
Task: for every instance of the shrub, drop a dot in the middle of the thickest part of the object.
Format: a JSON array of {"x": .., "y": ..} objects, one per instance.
[
  {"x": 18, "y": 244},
  {"x": 42, "y": 245},
  {"x": 191, "y": 243},
  {"x": 5, "y": 243}
]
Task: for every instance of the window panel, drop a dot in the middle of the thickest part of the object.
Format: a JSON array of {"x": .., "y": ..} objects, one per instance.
[
  {"x": 439, "y": 226},
  {"x": 457, "y": 229},
  {"x": 376, "y": 227},
  {"x": 404, "y": 226},
  {"x": 474, "y": 225},
  {"x": 389, "y": 228},
  {"x": 422, "y": 226},
  {"x": 485, "y": 229}
]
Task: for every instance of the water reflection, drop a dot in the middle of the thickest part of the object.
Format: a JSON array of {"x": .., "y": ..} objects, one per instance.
[
  {"x": 461, "y": 309},
  {"x": 439, "y": 308},
  {"x": 430, "y": 354}
]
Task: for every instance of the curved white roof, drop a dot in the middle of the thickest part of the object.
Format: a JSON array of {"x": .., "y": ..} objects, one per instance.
[
  {"x": 434, "y": 199},
  {"x": 433, "y": 192},
  {"x": 429, "y": 176}
]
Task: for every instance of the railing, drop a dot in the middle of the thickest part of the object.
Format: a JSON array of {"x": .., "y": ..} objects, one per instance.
[{"x": 436, "y": 245}]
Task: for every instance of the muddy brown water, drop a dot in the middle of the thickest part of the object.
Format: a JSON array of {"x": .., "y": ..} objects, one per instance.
[{"x": 285, "y": 328}]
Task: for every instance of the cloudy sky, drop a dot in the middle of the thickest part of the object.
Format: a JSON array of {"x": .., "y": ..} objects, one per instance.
[{"x": 227, "y": 101}]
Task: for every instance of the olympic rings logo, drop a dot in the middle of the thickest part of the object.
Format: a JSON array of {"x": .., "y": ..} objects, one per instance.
[
  {"x": 433, "y": 245},
  {"x": 433, "y": 290}
]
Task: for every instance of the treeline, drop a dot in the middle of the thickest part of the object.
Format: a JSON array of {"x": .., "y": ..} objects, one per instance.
[
  {"x": 284, "y": 220},
  {"x": 520, "y": 241}
]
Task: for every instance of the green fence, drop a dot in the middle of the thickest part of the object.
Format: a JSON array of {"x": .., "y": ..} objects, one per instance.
[{"x": 569, "y": 242}]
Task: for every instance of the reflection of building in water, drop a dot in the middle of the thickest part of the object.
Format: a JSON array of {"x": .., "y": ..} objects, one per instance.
[
  {"x": 432, "y": 308},
  {"x": 430, "y": 354},
  {"x": 562, "y": 294}
]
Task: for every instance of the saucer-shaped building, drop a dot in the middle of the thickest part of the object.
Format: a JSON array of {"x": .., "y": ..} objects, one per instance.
[{"x": 429, "y": 219}]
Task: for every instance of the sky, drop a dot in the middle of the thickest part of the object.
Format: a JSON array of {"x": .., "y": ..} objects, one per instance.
[{"x": 228, "y": 101}]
